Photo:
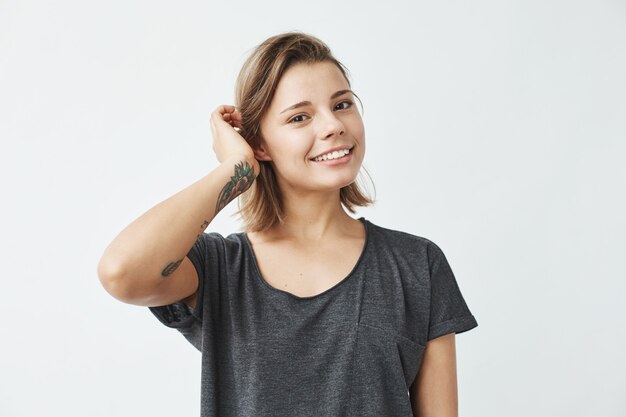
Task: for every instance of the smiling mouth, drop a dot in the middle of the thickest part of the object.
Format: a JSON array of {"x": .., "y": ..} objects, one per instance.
[{"x": 332, "y": 155}]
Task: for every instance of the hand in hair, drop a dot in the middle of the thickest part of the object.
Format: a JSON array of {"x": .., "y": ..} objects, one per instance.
[{"x": 227, "y": 142}]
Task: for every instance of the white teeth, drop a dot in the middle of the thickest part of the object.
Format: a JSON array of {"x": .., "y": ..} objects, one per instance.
[{"x": 332, "y": 155}]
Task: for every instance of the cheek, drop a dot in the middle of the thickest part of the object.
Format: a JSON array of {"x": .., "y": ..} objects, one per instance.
[
  {"x": 298, "y": 144},
  {"x": 356, "y": 127},
  {"x": 290, "y": 148},
  {"x": 359, "y": 136}
]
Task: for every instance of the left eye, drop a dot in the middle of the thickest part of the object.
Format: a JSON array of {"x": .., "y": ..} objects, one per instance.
[{"x": 343, "y": 105}]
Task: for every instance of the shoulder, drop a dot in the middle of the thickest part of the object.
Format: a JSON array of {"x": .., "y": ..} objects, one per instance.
[
  {"x": 406, "y": 243},
  {"x": 215, "y": 243},
  {"x": 217, "y": 238},
  {"x": 399, "y": 238}
]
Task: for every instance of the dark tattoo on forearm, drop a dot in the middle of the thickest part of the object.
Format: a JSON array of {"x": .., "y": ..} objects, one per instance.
[
  {"x": 240, "y": 182},
  {"x": 171, "y": 268},
  {"x": 204, "y": 225}
]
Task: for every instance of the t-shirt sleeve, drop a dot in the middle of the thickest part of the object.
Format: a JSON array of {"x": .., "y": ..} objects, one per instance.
[
  {"x": 448, "y": 310},
  {"x": 180, "y": 316}
]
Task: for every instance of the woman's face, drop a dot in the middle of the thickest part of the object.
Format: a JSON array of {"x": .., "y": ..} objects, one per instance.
[{"x": 312, "y": 113}]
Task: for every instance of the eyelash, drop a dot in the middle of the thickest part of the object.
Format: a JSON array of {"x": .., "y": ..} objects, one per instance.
[{"x": 350, "y": 103}]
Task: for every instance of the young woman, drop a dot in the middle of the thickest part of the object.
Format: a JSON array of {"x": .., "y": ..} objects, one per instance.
[{"x": 309, "y": 311}]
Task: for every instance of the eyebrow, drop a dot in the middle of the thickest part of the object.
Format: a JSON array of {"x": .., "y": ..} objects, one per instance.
[{"x": 308, "y": 103}]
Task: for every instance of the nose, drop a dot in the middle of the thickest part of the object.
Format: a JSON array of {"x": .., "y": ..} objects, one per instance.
[{"x": 332, "y": 126}]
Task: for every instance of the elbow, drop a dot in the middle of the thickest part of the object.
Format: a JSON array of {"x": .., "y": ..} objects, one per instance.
[
  {"x": 111, "y": 278},
  {"x": 118, "y": 281}
]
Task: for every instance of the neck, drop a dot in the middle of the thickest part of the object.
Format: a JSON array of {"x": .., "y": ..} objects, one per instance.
[{"x": 312, "y": 217}]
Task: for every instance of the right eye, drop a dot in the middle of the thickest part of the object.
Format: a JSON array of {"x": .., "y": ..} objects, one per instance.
[{"x": 297, "y": 119}]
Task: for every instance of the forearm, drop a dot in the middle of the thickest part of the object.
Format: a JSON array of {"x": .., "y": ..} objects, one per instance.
[{"x": 153, "y": 245}]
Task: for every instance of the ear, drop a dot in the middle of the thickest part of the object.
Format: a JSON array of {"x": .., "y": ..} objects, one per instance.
[{"x": 261, "y": 153}]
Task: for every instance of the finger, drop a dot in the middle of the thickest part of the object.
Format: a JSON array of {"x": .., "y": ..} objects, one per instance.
[
  {"x": 225, "y": 108},
  {"x": 217, "y": 118},
  {"x": 217, "y": 126},
  {"x": 228, "y": 119},
  {"x": 235, "y": 118},
  {"x": 236, "y": 115}
]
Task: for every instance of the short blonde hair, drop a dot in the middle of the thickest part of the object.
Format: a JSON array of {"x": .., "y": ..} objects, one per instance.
[{"x": 261, "y": 206}]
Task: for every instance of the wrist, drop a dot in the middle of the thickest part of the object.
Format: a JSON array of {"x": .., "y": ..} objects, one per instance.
[{"x": 244, "y": 160}]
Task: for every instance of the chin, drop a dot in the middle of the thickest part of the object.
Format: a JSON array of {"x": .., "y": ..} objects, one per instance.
[{"x": 339, "y": 184}]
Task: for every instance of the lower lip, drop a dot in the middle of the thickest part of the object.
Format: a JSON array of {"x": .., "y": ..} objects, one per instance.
[{"x": 337, "y": 161}]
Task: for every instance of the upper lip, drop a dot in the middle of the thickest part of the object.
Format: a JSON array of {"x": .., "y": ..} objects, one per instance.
[{"x": 338, "y": 148}]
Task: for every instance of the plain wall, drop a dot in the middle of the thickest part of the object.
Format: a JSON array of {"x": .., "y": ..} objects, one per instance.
[{"x": 496, "y": 129}]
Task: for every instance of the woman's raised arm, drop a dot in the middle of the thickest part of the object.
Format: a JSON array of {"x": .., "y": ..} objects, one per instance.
[{"x": 146, "y": 263}]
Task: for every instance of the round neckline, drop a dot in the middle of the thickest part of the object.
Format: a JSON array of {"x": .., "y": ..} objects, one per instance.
[{"x": 259, "y": 276}]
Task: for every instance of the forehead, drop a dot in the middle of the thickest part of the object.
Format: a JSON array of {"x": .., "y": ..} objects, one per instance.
[{"x": 308, "y": 82}]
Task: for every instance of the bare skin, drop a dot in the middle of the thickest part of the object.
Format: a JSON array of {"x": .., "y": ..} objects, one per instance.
[
  {"x": 146, "y": 263},
  {"x": 319, "y": 244},
  {"x": 434, "y": 392},
  {"x": 301, "y": 255},
  {"x": 308, "y": 267}
]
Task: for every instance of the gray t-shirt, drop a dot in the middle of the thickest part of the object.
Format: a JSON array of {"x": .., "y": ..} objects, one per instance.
[{"x": 353, "y": 350}]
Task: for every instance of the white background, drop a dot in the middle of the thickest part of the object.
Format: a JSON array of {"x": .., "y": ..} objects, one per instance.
[{"x": 497, "y": 129}]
